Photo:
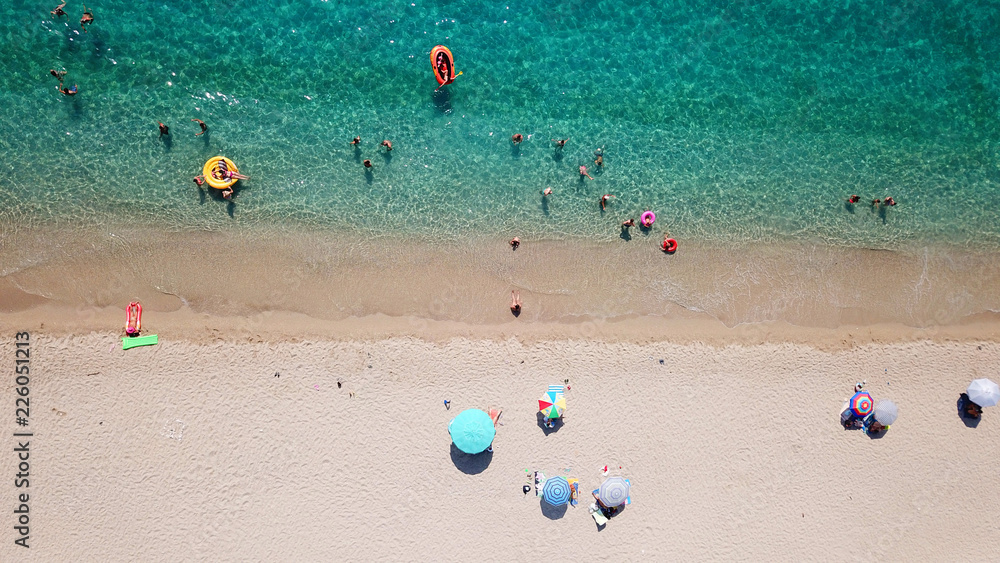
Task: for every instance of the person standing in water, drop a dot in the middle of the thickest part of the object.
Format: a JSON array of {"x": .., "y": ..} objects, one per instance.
[
  {"x": 604, "y": 199},
  {"x": 387, "y": 144},
  {"x": 164, "y": 130},
  {"x": 356, "y": 141},
  {"x": 516, "y": 138},
  {"x": 560, "y": 143},
  {"x": 583, "y": 172}
]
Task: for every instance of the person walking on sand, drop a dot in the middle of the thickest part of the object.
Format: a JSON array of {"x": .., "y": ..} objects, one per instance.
[
  {"x": 604, "y": 200},
  {"x": 164, "y": 130},
  {"x": 560, "y": 143},
  {"x": 515, "y": 302},
  {"x": 201, "y": 124},
  {"x": 59, "y": 10},
  {"x": 387, "y": 144},
  {"x": 516, "y": 138},
  {"x": 514, "y": 243},
  {"x": 583, "y": 172}
]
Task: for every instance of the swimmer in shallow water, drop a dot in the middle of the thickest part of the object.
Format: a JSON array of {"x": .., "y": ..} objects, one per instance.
[
  {"x": 516, "y": 138},
  {"x": 199, "y": 180},
  {"x": 356, "y": 141},
  {"x": 387, "y": 144},
  {"x": 367, "y": 163},
  {"x": 58, "y": 73},
  {"x": 86, "y": 19},
  {"x": 604, "y": 200},
  {"x": 560, "y": 143},
  {"x": 628, "y": 223},
  {"x": 854, "y": 199},
  {"x": 547, "y": 191},
  {"x": 889, "y": 201},
  {"x": 201, "y": 124},
  {"x": 59, "y": 10},
  {"x": 67, "y": 91},
  {"x": 583, "y": 172},
  {"x": 164, "y": 130},
  {"x": 227, "y": 193}
]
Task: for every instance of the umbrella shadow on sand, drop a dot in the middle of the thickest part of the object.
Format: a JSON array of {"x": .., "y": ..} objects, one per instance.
[
  {"x": 556, "y": 425},
  {"x": 963, "y": 402},
  {"x": 470, "y": 464},
  {"x": 553, "y": 512}
]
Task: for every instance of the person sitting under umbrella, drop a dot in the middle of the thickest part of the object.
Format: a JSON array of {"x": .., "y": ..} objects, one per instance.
[
  {"x": 970, "y": 409},
  {"x": 607, "y": 511}
]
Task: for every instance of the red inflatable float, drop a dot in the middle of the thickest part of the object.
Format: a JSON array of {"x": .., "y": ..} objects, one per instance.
[
  {"x": 669, "y": 245},
  {"x": 443, "y": 63}
]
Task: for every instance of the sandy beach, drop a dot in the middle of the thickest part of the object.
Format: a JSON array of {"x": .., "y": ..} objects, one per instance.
[{"x": 242, "y": 446}]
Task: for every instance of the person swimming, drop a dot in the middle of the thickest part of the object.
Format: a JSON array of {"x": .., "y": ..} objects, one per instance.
[
  {"x": 164, "y": 130},
  {"x": 67, "y": 91},
  {"x": 86, "y": 19},
  {"x": 583, "y": 172},
  {"x": 854, "y": 199},
  {"x": 59, "y": 10},
  {"x": 227, "y": 193},
  {"x": 547, "y": 191},
  {"x": 560, "y": 143},
  {"x": 516, "y": 138},
  {"x": 387, "y": 144},
  {"x": 201, "y": 124},
  {"x": 57, "y": 73},
  {"x": 356, "y": 141},
  {"x": 889, "y": 201},
  {"x": 367, "y": 163},
  {"x": 199, "y": 180}
]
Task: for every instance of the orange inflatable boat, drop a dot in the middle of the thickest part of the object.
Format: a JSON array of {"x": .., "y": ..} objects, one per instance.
[{"x": 444, "y": 65}]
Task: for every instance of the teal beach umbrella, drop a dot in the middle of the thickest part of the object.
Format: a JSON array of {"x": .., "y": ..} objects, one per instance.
[{"x": 472, "y": 431}]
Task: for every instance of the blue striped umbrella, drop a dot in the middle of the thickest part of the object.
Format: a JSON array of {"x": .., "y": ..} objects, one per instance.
[{"x": 556, "y": 491}]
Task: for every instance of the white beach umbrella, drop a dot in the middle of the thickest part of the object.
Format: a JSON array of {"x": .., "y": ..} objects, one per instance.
[
  {"x": 983, "y": 392},
  {"x": 886, "y": 412}
]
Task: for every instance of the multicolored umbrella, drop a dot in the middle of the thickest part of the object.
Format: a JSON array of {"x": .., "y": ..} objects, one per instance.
[
  {"x": 553, "y": 402},
  {"x": 472, "y": 431},
  {"x": 613, "y": 491},
  {"x": 556, "y": 491},
  {"x": 983, "y": 392},
  {"x": 861, "y": 404},
  {"x": 886, "y": 412}
]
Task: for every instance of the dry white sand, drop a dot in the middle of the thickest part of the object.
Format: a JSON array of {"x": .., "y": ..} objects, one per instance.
[{"x": 188, "y": 451}]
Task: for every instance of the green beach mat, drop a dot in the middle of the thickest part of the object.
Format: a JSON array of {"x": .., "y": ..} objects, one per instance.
[{"x": 138, "y": 341}]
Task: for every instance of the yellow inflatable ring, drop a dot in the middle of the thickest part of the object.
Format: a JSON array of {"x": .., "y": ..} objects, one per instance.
[{"x": 212, "y": 166}]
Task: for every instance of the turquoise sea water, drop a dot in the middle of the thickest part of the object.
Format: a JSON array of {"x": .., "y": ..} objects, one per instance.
[{"x": 733, "y": 121}]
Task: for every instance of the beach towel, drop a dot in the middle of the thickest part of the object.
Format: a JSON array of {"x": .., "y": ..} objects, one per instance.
[
  {"x": 575, "y": 485},
  {"x": 599, "y": 518},
  {"x": 539, "y": 483}
]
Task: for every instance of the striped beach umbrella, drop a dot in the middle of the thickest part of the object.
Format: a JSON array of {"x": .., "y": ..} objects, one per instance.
[
  {"x": 983, "y": 392},
  {"x": 886, "y": 412},
  {"x": 613, "y": 491},
  {"x": 472, "y": 431},
  {"x": 553, "y": 402},
  {"x": 556, "y": 491},
  {"x": 861, "y": 404}
]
